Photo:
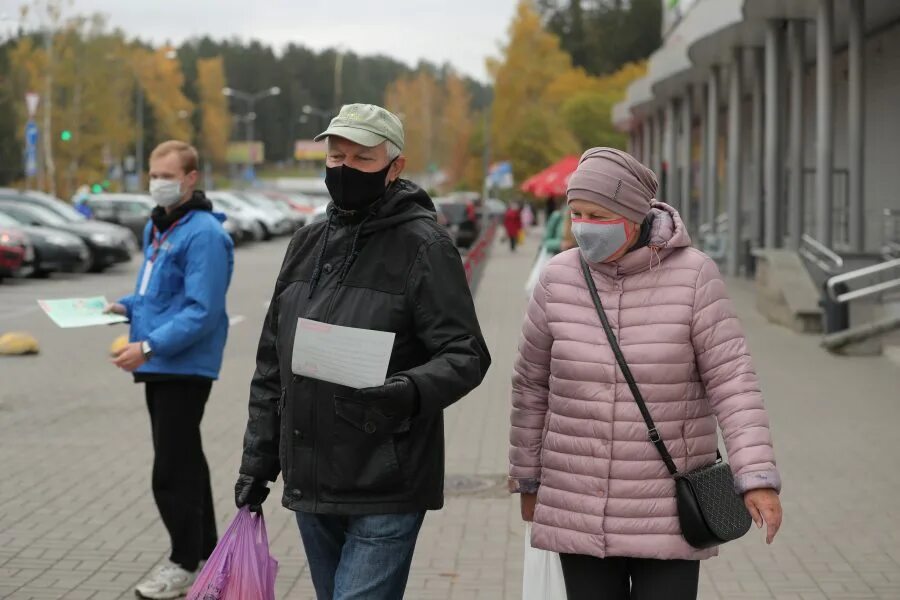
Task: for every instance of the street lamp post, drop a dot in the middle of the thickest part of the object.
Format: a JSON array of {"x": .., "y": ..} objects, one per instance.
[
  {"x": 312, "y": 110},
  {"x": 250, "y": 117}
]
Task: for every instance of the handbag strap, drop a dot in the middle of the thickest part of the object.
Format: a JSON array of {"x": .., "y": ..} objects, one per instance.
[{"x": 626, "y": 371}]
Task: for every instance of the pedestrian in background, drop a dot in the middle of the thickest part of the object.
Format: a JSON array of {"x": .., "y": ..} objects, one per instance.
[
  {"x": 361, "y": 467},
  {"x": 178, "y": 332},
  {"x": 512, "y": 222},
  {"x": 527, "y": 216},
  {"x": 590, "y": 479}
]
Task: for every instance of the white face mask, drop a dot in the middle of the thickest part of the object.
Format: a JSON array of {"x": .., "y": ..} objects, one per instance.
[
  {"x": 165, "y": 192},
  {"x": 599, "y": 240}
]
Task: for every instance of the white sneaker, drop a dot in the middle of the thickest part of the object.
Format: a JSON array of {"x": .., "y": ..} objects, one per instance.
[{"x": 167, "y": 582}]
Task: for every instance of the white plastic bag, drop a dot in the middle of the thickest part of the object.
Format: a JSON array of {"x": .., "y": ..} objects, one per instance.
[
  {"x": 543, "y": 577},
  {"x": 542, "y": 259}
]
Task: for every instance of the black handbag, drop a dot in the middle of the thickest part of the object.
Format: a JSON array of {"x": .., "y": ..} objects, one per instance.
[{"x": 709, "y": 509}]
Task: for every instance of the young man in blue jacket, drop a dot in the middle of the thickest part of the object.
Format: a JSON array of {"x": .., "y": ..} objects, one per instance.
[{"x": 178, "y": 332}]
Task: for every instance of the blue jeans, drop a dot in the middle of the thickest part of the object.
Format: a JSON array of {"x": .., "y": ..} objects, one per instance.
[{"x": 363, "y": 557}]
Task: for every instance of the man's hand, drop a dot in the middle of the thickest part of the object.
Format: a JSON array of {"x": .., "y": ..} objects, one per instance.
[
  {"x": 528, "y": 502},
  {"x": 115, "y": 309},
  {"x": 398, "y": 397},
  {"x": 130, "y": 357},
  {"x": 765, "y": 507},
  {"x": 250, "y": 491}
]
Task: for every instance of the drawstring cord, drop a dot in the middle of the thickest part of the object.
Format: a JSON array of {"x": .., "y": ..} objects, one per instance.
[
  {"x": 354, "y": 249},
  {"x": 654, "y": 253}
]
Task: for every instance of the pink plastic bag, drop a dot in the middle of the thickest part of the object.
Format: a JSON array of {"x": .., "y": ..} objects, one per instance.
[{"x": 240, "y": 567}]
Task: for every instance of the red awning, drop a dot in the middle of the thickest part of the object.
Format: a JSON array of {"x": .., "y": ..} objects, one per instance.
[{"x": 553, "y": 180}]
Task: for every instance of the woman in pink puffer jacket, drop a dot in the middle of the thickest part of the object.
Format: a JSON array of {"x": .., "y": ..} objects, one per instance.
[{"x": 590, "y": 479}]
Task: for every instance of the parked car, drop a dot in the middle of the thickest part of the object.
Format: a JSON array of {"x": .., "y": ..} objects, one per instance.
[
  {"x": 247, "y": 229},
  {"x": 273, "y": 218},
  {"x": 281, "y": 206},
  {"x": 108, "y": 244},
  {"x": 53, "y": 250},
  {"x": 16, "y": 254},
  {"x": 60, "y": 207},
  {"x": 461, "y": 219},
  {"x": 128, "y": 210},
  {"x": 268, "y": 222}
]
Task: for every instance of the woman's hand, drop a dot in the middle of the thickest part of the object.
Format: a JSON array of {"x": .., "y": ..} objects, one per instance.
[
  {"x": 765, "y": 507},
  {"x": 528, "y": 502}
]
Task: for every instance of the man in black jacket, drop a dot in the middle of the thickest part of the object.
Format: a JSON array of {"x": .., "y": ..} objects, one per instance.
[{"x": 361, "y": 467}]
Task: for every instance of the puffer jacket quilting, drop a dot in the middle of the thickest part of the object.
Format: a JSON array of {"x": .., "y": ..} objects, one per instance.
[{"x": 577, "y": 435}]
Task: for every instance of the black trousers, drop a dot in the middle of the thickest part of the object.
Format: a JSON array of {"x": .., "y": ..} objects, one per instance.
[
  {"x": 181, "y": 484},
  {"x": 591, "y": 578}
]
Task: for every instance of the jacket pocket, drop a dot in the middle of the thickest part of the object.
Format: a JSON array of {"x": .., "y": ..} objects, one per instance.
[{"x": 364, "y": 456}]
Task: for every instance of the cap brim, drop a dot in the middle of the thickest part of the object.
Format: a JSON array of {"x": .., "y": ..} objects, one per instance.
[{"x": 363, "y": 137}]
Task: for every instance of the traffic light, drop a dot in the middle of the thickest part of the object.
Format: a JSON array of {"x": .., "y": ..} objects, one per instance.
[
  {"x": 106, "y": 183},
  {"x": 96, "y": 189},
  {"x": 65, "y": 135}
]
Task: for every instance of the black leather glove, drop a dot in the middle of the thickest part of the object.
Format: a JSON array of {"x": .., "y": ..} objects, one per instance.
[
  {"x": 398, "y": 397},
  {"x": 250, "y": 491}
]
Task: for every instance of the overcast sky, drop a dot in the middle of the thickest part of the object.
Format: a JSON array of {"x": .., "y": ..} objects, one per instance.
[{"x": 461, "y": 32}]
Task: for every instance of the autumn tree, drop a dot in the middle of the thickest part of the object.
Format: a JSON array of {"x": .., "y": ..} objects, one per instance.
[
  {"x": 417, "y": 99},
  {"x": 162, "y": 80},
  {"x": 545, "y": 107},
  {"x": 456, "y": 128},
  {"x": 90, "y": 77},
  {"x": 215, "y": 119},
  {"x": 531, "y": 61}
]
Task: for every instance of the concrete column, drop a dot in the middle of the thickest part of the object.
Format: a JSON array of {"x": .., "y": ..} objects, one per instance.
[
  {"x": 712, "y": 147},
  {"x": 704, "y": 160},
  {"x": 735, "y": 165},
  {"x": 672, "y": 195},
  {"x": 796, "y": 58},
  {"x": 646, "y": 142},
  {"x": 659, "y": 119},
  {"x": 825, "y": 122},
  {"x": 756, "y": 147},
  {"x": 856, "y": 78},
  {"x": 687, "y": 174},
  {"x": 774, "y": 107}
]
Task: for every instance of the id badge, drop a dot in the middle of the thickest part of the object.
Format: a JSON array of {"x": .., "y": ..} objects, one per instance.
[{"x": 145, "y": 279}]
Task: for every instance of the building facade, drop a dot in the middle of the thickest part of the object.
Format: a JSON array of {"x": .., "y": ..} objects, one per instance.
[{"x": 775, "y": 119}]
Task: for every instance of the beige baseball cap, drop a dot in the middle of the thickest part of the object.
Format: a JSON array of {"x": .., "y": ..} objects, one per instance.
[{"x": 367, "y": 125}]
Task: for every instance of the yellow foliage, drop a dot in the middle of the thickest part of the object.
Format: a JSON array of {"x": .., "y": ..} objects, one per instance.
[
  {"x": 162, "y": 80},
  {"x": 456, "y": 128},
  {"x": 417, "y": 99},
  {"x": 90, "y": 77},
  {"x": 544, "y": 108},
  {"x": 215, "y": 119},
  {"x": 531, "y": 62}
]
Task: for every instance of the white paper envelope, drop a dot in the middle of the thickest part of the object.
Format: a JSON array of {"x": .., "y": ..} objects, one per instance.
[{"x": 356, "y": 358}]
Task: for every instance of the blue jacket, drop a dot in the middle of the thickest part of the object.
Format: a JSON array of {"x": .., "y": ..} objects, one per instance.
[{"x": 182, "y": 312}]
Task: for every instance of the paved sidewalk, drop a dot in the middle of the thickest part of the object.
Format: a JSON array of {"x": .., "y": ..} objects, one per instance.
[{"x": 77, "y": 520}]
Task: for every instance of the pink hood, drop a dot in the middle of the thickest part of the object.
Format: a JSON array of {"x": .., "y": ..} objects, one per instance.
[{"x": 577, "y": 436}]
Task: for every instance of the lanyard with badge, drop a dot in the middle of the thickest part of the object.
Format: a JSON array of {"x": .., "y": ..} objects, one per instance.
[{"x": 156, "y": 244}]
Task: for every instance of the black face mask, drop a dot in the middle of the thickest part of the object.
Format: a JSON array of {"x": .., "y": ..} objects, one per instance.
[{"x": 352, "y": 189}]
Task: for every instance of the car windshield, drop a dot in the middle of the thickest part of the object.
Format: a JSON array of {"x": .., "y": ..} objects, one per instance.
[
  {"x": 32, "y": 213},
  {"x": 58, "y": 207},
  {"x": 224, "y": 201},
  {"x": 7, "y": 221}
]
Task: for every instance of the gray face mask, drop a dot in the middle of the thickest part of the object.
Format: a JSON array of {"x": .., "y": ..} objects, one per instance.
[{"x": 599, "y": 240}]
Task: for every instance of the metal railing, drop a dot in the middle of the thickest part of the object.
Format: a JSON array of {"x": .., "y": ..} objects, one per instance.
[
  {"x": 820, "y": 255},
  {"x": 890, "y": 238},
  {"x": 876, "y": 271}
]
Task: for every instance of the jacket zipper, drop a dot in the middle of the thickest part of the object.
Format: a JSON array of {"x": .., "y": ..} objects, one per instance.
[{"x": 315, "y": 416}]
